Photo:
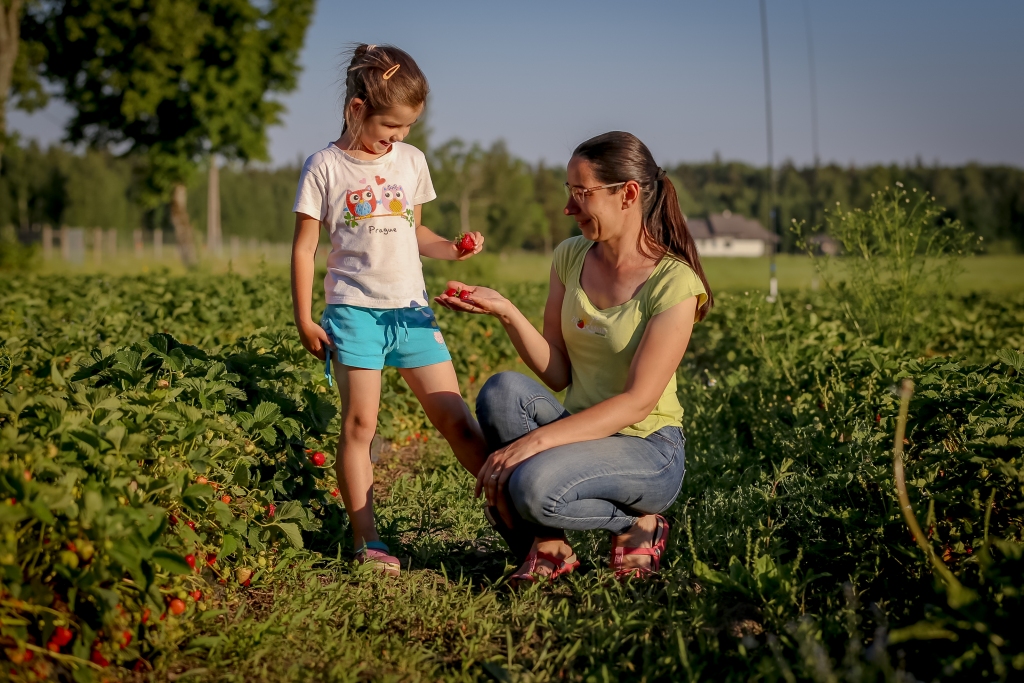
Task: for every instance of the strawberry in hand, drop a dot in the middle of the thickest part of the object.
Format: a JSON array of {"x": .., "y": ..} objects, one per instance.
[
  {"x": 468, "y": 244},
  {"x": 465, "y": 242}
]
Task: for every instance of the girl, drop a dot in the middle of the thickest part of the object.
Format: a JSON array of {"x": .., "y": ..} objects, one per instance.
[{"x": 367, "y": 189}]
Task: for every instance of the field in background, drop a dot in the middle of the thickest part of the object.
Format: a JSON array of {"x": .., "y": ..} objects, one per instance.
[{"x": 1004, "y": 273}]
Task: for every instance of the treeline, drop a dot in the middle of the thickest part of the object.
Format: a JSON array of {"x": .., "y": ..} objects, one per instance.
[{"x": 518, "y": 205}]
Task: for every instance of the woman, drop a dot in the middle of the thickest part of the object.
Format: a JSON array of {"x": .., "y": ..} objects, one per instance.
[{"x": 622, "y": 302}]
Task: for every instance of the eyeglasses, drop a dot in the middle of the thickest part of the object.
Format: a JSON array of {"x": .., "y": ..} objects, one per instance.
[{"x": 578, "y": 194}]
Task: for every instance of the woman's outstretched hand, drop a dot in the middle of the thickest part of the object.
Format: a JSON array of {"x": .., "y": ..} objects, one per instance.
[{"x": 469, "y": 299}]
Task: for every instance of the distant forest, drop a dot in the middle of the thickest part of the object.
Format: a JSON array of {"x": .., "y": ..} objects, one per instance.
[{"x": 517, "y": 205}]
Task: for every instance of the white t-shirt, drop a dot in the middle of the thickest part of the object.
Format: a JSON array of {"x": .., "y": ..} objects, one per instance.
[{"x": 367, "y": 206}]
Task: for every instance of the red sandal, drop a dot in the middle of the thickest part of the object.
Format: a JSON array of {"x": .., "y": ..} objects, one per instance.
[
  {"x": 655, "y": 551},
  {"x": 561, "y": 567}
]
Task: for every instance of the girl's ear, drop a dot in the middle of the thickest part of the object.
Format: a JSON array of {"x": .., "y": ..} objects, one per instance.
[{"x": 356, "y": 107}]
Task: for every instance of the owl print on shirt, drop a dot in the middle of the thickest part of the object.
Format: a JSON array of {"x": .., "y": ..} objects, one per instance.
[{"x": 361, "y": 204}]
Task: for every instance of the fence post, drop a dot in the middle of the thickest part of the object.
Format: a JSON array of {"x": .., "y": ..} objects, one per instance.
[
  {"x": 97, "y": 245},
  {"x": 47, "y": 243},
  {"x": 76, "y": 245},
  {"x": 158, "y": 244},
  {"x": 112, "y": 242},
  {"x": 137, "y": 242},
  {"x": 65, "y": 249}
]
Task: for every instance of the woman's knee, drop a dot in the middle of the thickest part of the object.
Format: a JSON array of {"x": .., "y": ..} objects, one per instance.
[
  {"x": 499, "y": 391},
  {"x": 530, "y": 489}
]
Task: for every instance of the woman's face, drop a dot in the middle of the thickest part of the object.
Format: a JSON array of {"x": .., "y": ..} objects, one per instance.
[{"x": 602, "y": 214}]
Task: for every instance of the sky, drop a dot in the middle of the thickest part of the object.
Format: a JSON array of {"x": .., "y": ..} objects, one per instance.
[{"x": 897, "y": 80}]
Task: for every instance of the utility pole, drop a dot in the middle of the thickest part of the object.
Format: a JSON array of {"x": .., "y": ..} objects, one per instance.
[
  {"x": 814, "y": 113},
  {"x": 773, "y": 282}
]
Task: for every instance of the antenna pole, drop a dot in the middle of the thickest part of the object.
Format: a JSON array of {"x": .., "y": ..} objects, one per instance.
[{"x": 773, "y": 283}]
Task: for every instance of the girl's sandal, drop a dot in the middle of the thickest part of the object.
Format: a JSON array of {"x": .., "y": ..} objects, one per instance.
[
  {"x": 530, "y": 574},
  {"x": 377, "y": 555},
  {"x": 655, "y": 552}
]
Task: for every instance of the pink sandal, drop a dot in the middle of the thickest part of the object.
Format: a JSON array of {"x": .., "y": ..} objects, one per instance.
[
  {"x": 655, "y": 551},
  {"x": 379, "y": 559},
  {"x": 561, "y": 567}
]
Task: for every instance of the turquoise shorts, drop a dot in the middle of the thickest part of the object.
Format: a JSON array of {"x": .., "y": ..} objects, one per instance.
[{"x": 371, "y": 338}]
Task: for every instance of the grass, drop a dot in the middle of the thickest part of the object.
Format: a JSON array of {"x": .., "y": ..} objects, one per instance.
[{"x": 999, "y": 273}]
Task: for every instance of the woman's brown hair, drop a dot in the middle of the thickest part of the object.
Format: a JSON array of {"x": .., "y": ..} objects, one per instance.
[
  {"x": 382, "y": 76},
  {"x": 618, "y": 157}
]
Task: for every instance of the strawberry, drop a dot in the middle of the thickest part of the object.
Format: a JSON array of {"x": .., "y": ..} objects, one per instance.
[
  {"x": 465, "y": 295},
  {"x": 191, "y": 525},
  {"x": 318, "y": 459},
  {"x": 271, "y": 509},
  {"x": 98, "y": 659},
  {"x": 210, "y": 559},
  {"x": 335, "y": 493},
  {"x": 126, "y": 639},
  {"x": 177, "y": 606},
  {"x": 465, "y": 242},
  {"x": 196, "y": 595},
  {"x": 451, "y": 291},
  {"x": 580, "y": 324},
  {"x": 145, "y": 615},
  {"x": 191, "y": 560},
  {"x": 52, "y": 646},
  {"x": 62, "y": 636},
  {"x": 173, "y": 520},
  {"x": 201, "y": 480},
  {"x": 226, "y": 500}
]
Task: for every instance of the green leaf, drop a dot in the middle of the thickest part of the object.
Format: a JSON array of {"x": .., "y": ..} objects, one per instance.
[
  {"x": 172, "y": 562},
  {"x": 241, "y": 476},
  {"x": 291, "y": 532}
]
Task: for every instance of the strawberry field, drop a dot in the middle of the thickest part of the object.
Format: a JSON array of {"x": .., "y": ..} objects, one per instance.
[{"x": 165, "y": 513}]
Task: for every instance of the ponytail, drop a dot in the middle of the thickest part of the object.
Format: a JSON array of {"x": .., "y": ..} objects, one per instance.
[{"x": 618, "y": 157}]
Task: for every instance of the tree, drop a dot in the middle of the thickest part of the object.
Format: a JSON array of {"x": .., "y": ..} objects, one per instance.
[
  {"x": 17, "y": 77},
  {"x": 175, "y": 81}
]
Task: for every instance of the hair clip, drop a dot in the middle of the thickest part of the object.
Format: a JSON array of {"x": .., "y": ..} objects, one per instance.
[
  {"x": 370, "y": 47},
  {"x": 391, "y": 72}
]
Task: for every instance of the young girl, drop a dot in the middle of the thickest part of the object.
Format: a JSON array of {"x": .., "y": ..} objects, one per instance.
[{"x": 367, "y": 189}]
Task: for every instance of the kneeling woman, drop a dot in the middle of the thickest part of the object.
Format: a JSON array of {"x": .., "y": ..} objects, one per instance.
[{"x": 622, "y": 302}]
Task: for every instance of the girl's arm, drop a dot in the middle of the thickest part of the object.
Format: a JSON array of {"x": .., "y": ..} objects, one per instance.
[
  {"x": 544, "y": 353},
  {"x": 660, "y": 351},
  {"x": 433, "y": 245},
  {"x": 307, "y": 235}
]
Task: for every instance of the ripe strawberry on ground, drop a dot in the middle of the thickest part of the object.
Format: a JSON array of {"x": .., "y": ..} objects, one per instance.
[
  {"x": 226, "y": 500},
  {"x": 177, "y": 606},
  {"x": 197, "y": 595},
  {"x": 318, "y": 459},
  {"x": 465, "y": 242},
  {"x": 191, "y": 560}
]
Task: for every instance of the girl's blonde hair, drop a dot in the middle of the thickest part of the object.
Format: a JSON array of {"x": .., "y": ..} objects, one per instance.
[{"x": 382, "y": 76}]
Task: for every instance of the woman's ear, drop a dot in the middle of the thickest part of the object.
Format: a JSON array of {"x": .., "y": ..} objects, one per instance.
[{"x": 630, "y": 194}]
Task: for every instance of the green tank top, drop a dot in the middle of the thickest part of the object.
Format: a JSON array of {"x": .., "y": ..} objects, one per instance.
[{"x": 602, "y": 342}]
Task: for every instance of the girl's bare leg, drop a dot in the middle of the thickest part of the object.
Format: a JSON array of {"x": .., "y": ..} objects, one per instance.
[{"x": 360, "y": 401}]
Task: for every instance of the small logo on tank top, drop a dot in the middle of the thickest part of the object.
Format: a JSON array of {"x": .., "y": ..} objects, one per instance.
[{"x": 589, "y": 327}]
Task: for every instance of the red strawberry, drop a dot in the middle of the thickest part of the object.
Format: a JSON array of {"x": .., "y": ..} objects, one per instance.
[
  {"x": 580, "y": 324},
  {"x": 271, "y": 509},
  {"x": 173, "y": 520},
  {"x": 191, "y": 560},
  {"x": 226, "y": 500},
  {"x": 210, "y": 559},
  {"x": 465, "y": 295},
  {"x": 145, "y": 615},
  {"x": 98, "y": 659},
  {"x": 191, "y": 525},
  {"x": 126, "y": 639},
  {"x": 201, "y": 480},
  {"x": 465, "y": 242},
  {"x": 335, "y": 493},
  {"x": 450, "y": 292},
  {"x": 62, "y": 636},
  {"x": 319, "y": 459},
  {"x": 197, "y": 595},
  {"x": 52, "y": 646},
  {"x": 177, "y": 606}
]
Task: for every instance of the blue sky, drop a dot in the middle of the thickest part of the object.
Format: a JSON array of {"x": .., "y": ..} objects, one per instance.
[{"x": 897, "y": 80}]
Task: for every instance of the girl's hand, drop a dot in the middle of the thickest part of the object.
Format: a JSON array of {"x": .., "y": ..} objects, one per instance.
[
  {"x": 478, "y": 246},
  {"x": 478, "y": 300},
  {"x": 314, "y": 338},
  {"x": 493, "y": 476}
]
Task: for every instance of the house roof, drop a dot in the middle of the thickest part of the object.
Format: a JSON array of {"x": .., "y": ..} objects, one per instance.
[
  {"x": 699, "y": 229},
  {"x": 728, "y": 224}
]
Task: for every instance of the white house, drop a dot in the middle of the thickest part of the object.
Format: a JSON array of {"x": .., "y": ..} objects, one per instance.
[{"x": 729, "y": 234}]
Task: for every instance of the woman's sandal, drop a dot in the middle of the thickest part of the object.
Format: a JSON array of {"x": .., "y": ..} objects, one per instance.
[
  {"x": 377, "y": 555},
  {"x": 655, "y": 552},
  {"x": 561, "y": 568}
]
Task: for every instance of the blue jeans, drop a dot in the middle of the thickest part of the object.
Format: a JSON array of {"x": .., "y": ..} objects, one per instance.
[{"x": 601, "y": 484}]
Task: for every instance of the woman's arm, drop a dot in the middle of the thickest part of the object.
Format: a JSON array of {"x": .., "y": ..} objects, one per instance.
[
  {"x": 660, "y": 351},
  {"x": 544, "y": 353},
  {"x": 433, "y": 245},
  {"x": 304, "y": 242}
]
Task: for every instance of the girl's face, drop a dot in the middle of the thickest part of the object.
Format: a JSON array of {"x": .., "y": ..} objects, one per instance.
[
  {"x": 602, "y": 214},
  {"x": 381, "y": 129}
]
